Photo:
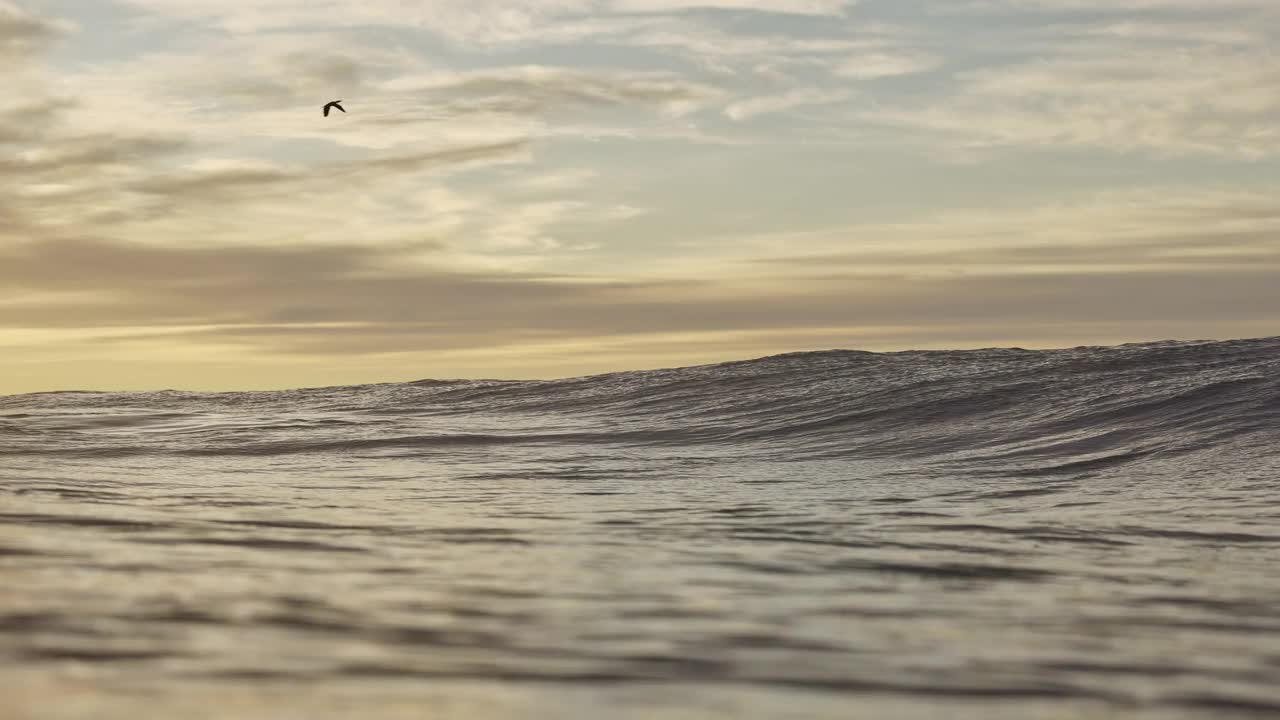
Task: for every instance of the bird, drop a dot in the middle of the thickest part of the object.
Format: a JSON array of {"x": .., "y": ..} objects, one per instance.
[{"x": 333, "y": 104}]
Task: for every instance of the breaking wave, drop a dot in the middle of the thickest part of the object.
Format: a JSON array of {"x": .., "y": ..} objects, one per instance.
[{"x": 1004, "y": 410}]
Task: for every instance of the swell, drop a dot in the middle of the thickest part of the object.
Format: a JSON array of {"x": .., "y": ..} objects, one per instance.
[{"x": 1054, "y": 411}]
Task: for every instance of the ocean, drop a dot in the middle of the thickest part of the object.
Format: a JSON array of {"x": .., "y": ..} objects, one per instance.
[{"x": 1082, "y": 533}]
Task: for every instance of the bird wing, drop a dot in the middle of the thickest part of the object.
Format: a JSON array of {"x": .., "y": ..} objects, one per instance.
[{"x": 326, "y": 111}]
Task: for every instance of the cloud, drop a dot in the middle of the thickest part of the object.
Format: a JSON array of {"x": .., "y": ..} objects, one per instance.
[
  {"x": 487, "y": 22},
  {"x": 1160, "y": 77},
  {"x": 538, "y": 90},
  {"x": 340, "y": 304},
  {"x": 508, "y": 182},
  {"x": 1117, "y": 234},
  {"x": 140, "y": 286},
  {"x": 284, "y": 78},
  {"x": 75, "y": 156},
  {"x": 787, "y": 7},
  {"x": 1186, "y": 264},
  {"x": 1172, "y": 102},
  {"x": 473, "y": 20},
  {"x": 1113, "y": 6},
  {"x": 395, "y": 102},
  {"x": 751, "y": 107},
  {"x": 1167, "y": 77},
  {"x": 147, "y": 187},
  {"x": 23, "y": 34},
  {"x": 181, "y": 171},
  {"x": 219, "y": 184},
  {"x": 28, "y": 120},
  {"x": 872, "y": 65}
]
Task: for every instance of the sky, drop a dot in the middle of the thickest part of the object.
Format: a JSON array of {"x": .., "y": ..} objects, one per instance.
[{"x": 547, "y": 188}]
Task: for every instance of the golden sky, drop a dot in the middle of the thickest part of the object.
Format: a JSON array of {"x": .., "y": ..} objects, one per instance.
[{"x": 558, "y": 187}]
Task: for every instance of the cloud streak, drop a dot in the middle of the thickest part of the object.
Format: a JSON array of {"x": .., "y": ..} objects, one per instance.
[
  {"x": 23, "y": 34},
  {"x": 1203, "y": 261}
]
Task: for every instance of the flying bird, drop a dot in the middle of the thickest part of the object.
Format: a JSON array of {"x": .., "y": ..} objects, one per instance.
[{"x": 333, "y": 104}]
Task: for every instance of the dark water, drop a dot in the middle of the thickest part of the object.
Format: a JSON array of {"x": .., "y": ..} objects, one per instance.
[{"x": 1079, "y": 533}]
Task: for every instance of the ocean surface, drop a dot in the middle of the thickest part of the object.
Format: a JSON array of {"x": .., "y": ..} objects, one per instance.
[{"x": 1083, "y": 533}]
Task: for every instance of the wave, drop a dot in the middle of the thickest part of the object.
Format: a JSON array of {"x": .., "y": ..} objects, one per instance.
[{"x": 1045, "y": 412}]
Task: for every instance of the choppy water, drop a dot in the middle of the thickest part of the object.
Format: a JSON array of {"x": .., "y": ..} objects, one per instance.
[{"x": 1003, "y": 533}]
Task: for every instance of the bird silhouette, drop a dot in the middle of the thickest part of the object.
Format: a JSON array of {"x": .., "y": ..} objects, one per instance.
[{"x": 333, "y": 104}]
